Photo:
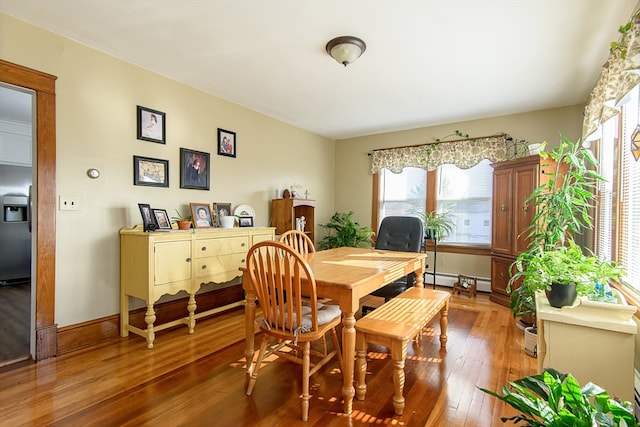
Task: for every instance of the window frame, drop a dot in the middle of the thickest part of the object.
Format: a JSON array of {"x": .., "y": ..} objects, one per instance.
[{"x": 430, "y": 206}]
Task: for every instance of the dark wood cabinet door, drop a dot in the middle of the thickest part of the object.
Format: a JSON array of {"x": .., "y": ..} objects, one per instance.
[
  {"x": 500, "y": 268},
  {"x": 526, "y": 180},
  {"x": 502, "y": 212}
]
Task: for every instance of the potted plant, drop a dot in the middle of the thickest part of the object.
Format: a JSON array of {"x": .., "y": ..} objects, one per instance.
[
  {"x": 343, "y": 231},
  {"x": 562, "y": 205},
  {"x": 437, "y": 225},
  {"x": 563, "y": 273},
  {"x": 183, "y": 222},
  {"x": 553, "y": 398}
]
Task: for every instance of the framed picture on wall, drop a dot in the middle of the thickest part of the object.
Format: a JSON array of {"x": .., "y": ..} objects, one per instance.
[
  {"x": 151, "y": 125},
  {"x": 226, "y": 143},
  {"x": 194, "y": 169},
  {"x": 151, "y": 172}
]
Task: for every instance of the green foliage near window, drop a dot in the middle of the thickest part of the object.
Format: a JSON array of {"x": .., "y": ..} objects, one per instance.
[
  {"x": 344, "y": 231},
  {"x": 436, "y": 224},
  {"x": 562, "y": 203},
  {"x": 556, "y": 399},
  {"x": 562, "y": 207}
]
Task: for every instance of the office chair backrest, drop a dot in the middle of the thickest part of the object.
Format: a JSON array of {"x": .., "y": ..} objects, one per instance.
[{"x": 400, "y": 233}]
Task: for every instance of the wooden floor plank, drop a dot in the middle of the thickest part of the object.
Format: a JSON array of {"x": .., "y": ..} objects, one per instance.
[{"x": 198, "y": 380}]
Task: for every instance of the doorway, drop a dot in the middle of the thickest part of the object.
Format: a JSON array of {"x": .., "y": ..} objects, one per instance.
[
  {"x": 43, "y": 329},
  {"x": 16, "y": 239}
]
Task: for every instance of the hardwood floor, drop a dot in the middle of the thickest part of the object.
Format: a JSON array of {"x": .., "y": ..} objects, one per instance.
[
  {"x": 15, "y": 301},
  {"x": 198, "y": 380}
]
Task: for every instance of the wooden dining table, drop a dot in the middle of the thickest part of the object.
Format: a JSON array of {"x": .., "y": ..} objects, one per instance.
[{"x": 344, "y": 275}]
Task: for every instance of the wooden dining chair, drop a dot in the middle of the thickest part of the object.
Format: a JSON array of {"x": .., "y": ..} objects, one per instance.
[
  {"x": 279, "y": 277},
  {"x": 299, "y": 241}
]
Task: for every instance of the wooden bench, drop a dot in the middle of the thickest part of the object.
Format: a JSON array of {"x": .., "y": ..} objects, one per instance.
[{"x": 393, "y": 325}]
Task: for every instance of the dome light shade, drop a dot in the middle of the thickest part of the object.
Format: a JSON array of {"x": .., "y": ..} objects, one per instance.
[{"x": 346, "y": 49}]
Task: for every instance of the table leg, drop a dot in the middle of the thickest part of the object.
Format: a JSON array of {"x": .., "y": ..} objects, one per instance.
[
  {"x": 444, "y": 322},
  {"x": 420, "y": 275},
  {"x": 348, "y": 355}
]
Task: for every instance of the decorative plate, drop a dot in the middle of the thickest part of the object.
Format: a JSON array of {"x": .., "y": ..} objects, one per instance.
[{"x": 244, "y": 210}]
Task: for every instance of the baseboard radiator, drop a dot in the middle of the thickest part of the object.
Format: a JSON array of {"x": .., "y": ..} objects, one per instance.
[{"x": 447, "y": 279}]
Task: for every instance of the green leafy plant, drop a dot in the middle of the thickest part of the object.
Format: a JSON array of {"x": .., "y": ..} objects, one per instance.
[
  {"x": 180, "y": 217},
  {"x": 621, "y": 46},
  {"x": 184, "y": 222},
  {"x": 436, "y": 224},
  {"x": 562, "y": 205},
  {"x": 343, "y": 231},
  {"x": 556, "y": 399},
  {"x": 565, "y": 265}
]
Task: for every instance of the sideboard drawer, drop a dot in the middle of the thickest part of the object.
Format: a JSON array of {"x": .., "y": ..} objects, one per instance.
[{"x": 225, "y": 245}]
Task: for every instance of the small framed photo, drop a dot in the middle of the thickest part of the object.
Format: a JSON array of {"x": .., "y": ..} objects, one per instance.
[
  {"x": 221, "y": 209},
  {"x": 151, "y": 172},
  {"x": 245, "y": 221},
  {"x": 226, "y": 143},
  {"x": 201, "y": 214},
  {"x": 194, "y": 169},
  {"x": 148, "y": 221},
  {"x": 162, "y": 219},
  {"x": 151, "y": 125}
]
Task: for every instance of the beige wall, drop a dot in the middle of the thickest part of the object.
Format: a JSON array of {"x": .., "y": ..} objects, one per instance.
[
  {"x": 96, "y": 128},
  {"x": 353, "y": 183}
]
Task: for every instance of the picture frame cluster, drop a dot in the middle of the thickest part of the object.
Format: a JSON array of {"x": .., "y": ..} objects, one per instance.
[
  {"x": 203, "y": 215},
  {"x": 195, "y": 166}
]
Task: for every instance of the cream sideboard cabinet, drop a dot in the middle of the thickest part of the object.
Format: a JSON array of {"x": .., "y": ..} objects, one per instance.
[
  {"x": 593, "y": 341},
  {"x": 153, "y": 264}
]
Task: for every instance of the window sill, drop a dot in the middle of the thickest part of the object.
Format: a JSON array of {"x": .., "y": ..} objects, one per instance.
[
  {"x": 632, "y": 297},
  {"x": 483, "y": 250}
]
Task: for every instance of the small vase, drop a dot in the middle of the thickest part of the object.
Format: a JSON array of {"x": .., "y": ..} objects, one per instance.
[
  {"x": 561, "y": 295},
  {"x": 227, "y": 221}
]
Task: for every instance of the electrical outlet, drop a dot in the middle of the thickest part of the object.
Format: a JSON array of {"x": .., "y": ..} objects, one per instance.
[{"x": 68, "y": 203}]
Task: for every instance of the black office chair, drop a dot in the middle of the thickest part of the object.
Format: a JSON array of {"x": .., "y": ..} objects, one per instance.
[{"x": 398, "y": 233}]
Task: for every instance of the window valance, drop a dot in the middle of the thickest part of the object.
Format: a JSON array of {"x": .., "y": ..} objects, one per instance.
[
  {"x": 463, "y": 153},
  {"x": 620, "y": 74}
]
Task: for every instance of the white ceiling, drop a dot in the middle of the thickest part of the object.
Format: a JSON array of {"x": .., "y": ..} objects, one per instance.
[{"x": 427, "y": 62}]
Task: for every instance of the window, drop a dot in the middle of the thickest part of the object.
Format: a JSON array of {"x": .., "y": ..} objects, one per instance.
[
  {"x": 617, "y": 228},
  {"x": 401, "y": 193},
  {"x": 465, "y": 193}
]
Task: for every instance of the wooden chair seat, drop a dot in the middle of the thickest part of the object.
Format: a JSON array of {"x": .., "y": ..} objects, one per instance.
[{"x": 280, "y": 277}]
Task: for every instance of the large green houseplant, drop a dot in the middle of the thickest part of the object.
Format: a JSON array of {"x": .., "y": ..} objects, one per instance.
[
  {"x": 562, "y": 209},
  {"x": 438, "y": 225},
  {"x": 344, "y": 231},
  {"x": 553, "y": 398}
]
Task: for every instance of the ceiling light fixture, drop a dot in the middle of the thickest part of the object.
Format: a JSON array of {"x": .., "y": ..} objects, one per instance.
[{"x": 346, "y": 49}]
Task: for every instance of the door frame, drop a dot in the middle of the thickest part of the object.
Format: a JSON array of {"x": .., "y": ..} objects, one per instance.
[{"x": 45, "y": 208}]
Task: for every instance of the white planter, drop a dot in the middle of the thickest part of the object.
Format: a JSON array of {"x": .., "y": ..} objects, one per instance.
[
  {"x": 530, "y": 342},
  {"x": 227, "y": 221},
  {"x": 534, "y": 148}
]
